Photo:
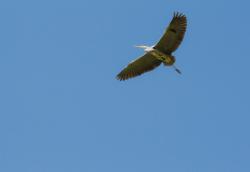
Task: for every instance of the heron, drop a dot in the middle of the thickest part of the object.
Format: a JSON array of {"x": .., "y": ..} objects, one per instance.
[{"x": 159, "y": 53}]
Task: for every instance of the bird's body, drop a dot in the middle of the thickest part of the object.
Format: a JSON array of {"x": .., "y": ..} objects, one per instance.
[
  {"x": 159, "y": 53},
  {"x": 168, "y": 60}
]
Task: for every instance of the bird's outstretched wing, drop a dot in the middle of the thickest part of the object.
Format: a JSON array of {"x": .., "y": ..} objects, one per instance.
[
  {"x": 174, "y": 34},
  {"x": 139, "y": 66}
]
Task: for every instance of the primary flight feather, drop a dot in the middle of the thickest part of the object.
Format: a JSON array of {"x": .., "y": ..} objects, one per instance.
[{"x": 161, "y": 52}]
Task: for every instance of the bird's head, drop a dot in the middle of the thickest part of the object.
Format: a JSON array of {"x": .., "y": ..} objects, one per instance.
[{"x": 146, "y": 48}]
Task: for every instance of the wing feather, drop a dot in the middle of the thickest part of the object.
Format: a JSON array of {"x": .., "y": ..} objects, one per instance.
[
  {"x": 139, "y": 66},
  {"x": 174, "y": 34}
]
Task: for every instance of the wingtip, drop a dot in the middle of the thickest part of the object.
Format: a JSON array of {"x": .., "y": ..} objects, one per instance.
[
  {"x": 179, "y": 14},
  {"x": 120, "y": 78}
]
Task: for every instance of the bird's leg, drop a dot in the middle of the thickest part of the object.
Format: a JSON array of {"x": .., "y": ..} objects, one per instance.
[{"x": 176, "y": 69}]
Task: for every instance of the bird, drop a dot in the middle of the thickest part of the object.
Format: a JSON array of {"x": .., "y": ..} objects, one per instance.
[{"x": 159, "y": 53}]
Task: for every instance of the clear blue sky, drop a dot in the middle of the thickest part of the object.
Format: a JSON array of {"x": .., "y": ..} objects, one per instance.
[{"x": 62, "y": 110}]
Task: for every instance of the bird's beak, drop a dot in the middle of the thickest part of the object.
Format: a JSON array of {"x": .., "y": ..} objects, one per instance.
[{"x": 140, "y": 46}]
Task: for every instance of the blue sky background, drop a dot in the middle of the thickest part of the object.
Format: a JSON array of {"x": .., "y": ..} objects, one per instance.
[{"x": 61, "y": 108}]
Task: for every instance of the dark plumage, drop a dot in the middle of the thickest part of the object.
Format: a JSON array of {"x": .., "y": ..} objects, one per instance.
[{"x": 161, "y": 52}]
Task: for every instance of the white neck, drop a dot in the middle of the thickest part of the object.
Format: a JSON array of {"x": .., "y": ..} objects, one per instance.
[{"x": 146, "y": 48}]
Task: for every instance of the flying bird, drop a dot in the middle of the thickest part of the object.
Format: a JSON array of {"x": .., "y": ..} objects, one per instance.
[{"x": 159, "y": 53}]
